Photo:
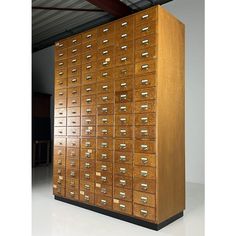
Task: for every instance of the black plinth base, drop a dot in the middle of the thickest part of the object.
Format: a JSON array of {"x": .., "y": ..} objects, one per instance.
[{"x": 122, "y": 217}]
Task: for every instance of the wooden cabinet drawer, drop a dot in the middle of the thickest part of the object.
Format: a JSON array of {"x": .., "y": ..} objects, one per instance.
[
  {"x": 88, "y": 89},
  {"x": 87, "y": 165},
  {"x": 73, "y": 142},
  {"x": 124, "y": 96},
  {"x": 105, "y": 98},
  {"x": 60, "y": 122},
  {"x": 103, "y": 201},
  {"x": 61, "y": 64},
  {"x": 74, "y": 51},
  {"x": 72, "y": 193},
  {"x": 149, "y": 27},
  {"x": 89, "y": 57},
  {"x": 72, "y": 163},
  {"x": 90, "y": 46},
  {"x": 125, "y": 48},
  {"x": 58, "y": 190},
  {"x": 59, "y": 141},
  {"x": 59, "y": 161},
  {"x": 145, "y": 146},
  {"x": 145, "y": 54},
  {"x": 89, "y": 35},
  {"x": 103, "y": 167},
  {"x": 124, "y": 84},
  {"x": 123, "y": 169},
  {"x": 105, "y": 75},
  {"x": 146, "y": 199},
  {"x": 73, "y": 111},
  {"x": 74, "y": 40},
  {"x": 107, "y": 29},
  {"x": 126, "y": 158},
  {"x": 123, "y": 194},
  {"x": 145, "y": 94},
  {"x": 142, "y": 82},
  {"x": 105, "y": 131},
  {"x": 145, "y": 42},
  {"x": 105, "y": 120},
  {"x": 123, "y": 24},
  {"x": 61, "y": 94},
  {"x": 74, "y": 81},
  {"x": 142, "y": 68},
  {"x": 103, "y": 189},
  {"x": 105, "y": 87},
  {"x": 122, "y": 206},
  {"x": 145, "y": 106},
  {"x": 145, "y": 185},
  {"x": 60, "y": 54},
  {"x": 145, "y": 159},
  {"x": 59, "y": 171},
  {"x": 74, "y": 71},
  {"x": 73, "y": 102},
  {"x": 60, "y": 112},
  {"x": 72, "y": 183},
  {"x": 72, "y": 152},
  {"x": 104, "y": 155},
  {"x": 60, "y": 103},
  {"x": 107, "y": 52},
  {"x": 62, "y": 44},
  {"x": 73, "y": 121},
  {"x": 123, "y": 181},
  {"x": 124, "y": 35},
  {"x": 89, "y": 78},
  {"x": 58, "y": 181},
  {"x": 125, "y": 59},
  {"x": 104, "y": 178},
  {"x": 124, "y": 132},
  {"x": 59, "y": 130},
  {"x": 88, "y": 131},
  {"x": 88, "y": 153},
  {"x": 88, "y": 110},
  {"x": 123, "y": 71},
  {"x": 88, "y": 100},
  {"x": 145, "y": 16},
  {"x": 88, "y": 120},
  {"x": 86, "y": 176},
  {"x": 144, "y": 212},
  {"x": 106, "y": 41},
  {"x": 89, "y": 67},
  {"x": 87, "y": 197},
  {"x": 87, "y": 186},
  {"x": 59, "y": 151},
  {"x": 124, "y": 145},
  {"x": 74, "y": 61},
  {"x": 88, "y": 143},
  {"x": 105, "y": 144},
  {"x": 60, "y": 83},
  {"x": 73, "y": 131},
  {"x": 145, "y": 132},
  {"x": 123, "y": 108},
  {"x": 145, "y": 172},
  {"x": 106, "y": 63},
  {"x": 124, "y": 119},
  {"x": 106, "y": 109}
]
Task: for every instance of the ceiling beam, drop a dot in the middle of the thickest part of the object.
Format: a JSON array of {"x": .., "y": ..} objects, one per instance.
[
  {"x": 66, "y": 9},
  {"x": 114, "y": 7}
]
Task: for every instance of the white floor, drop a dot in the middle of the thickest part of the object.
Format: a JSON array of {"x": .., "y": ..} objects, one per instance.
[{"x": 55, "y": 218}]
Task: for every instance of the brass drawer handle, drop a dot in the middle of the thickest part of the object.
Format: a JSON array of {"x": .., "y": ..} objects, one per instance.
[
  {"x": 61, "y": 94},
  {"x": 61, "y": 73},
  {"x": 88, "y": 120},
  {"x": 144, "y": 160},
  {"x": 144, "y": 173},
  {"x": 104, "y": 145},
  {"x": 88, "y": 100},
  {"x": 145, "y": 67},
  {"x": 143, "y": 213},
  {"x": 87, "y": 186},
  {"x": 104, "y": 156},
  {"x": 122, "y": 170},
  {"x": 105, "y": 98},
  {"x": 124, "y": 35},
  {"x": 61, "y": 54},
  {"x": 74, "y": 101},
  {"x": 88, "y": 89},
  {"x": 144, "y": 132},
  {"x": 123, "y": 71},
  {"x": 122, "y": 182},
  {"x": 144, "y": 119},
  {"x": 61, "y": 45},
  {"x": 105, "y": 109},
  {"x": 73, "y": 70},
  {"x": 74, "y": 40},
  {"x": 122, "y": 158},
  {"x": 104, "y": 131},
  {"x": 123, "y": 120},
  {"x": 123, "y": 59},
  {"x": 144, "y": 54},
  {"x": 74, "y": 92},
  {"x": 145, "y": 41},
  {"x": 74, "y": 50},
  {"x": 60, "y": 83},
  {"x": 61, "y": 63},
  {"x": 105, "y": 87},
  {"x": 124, "y": 47},
  {"x": 72, "y": 193},
  {"x": 103, "y": 202},
  {"x": 86, "y": 198},
  {"x": 87, "y": 144},
  {"x": 122, "y": 146},
  {"x": 123, "y": 131},
  {"x": 105, "y": 63},
  {"x": 74, "y": 60},
  {"x": 104, "y": 178},
  {"x": 145, "y": 16},
  {"x": 122, "y": 85},
  {"x": 87, "y": 176},
  {"x": 87, "y": 165},
  {"x": 88, "y": 36},
  {"x": 88, "y": 56},
  {"x": 105, "y": 52},
  {"x": 123, "y": 108},
  {"x": 103, "y": 167},
  {"x": 104, "y": 120},
  {"x": 74, "y": 112},
  {"x": 123, "y": 96},
  {"x": 88, "y": 67},
  {"x": 144, "y": 107},
  {"x": 105, "y": 30},
  {"x": 87, "y": 155},
  {"x": 122, "y": 195},
  {"x": 144, "y": 147},
  {"x": 105, "y": 41},
  {"x": 124, "y": 24},
  {"x": 122, "y": 206},
  {"x": 59, "y": 162},
  {"x": 145, "y": 29},
  {"x": 103, "y": 190},
  {"x": 104, "y": 74},
  {"x": 73, "y": 80},
  {"x": 89, "y": 46},
  {"x": 88, "y": 77},
  {"x": 144, "y": 199}
]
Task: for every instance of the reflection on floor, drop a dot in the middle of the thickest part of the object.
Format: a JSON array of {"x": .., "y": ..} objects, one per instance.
[{"x": 55, "y": 218}]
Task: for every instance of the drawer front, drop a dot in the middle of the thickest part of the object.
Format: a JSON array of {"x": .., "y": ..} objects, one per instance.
[
  {"x": 105, "y": 131},
  {"x": 126, "y": 158},
  {"x": 124, "y": 96},
  {"x": 145, "y": 106},
  {"x": 125, "y": 59},
  {"x": 104, "y": 178},
  {"x": 145, "y": 42},
  {"x": 73, "y": 111},
  {"x": 89, "y": 99},
  {"x": 146, "y": 81},
  {"x": 104, "y": 155},
  {"x": 105, "y": 120},
  {"x": 87, "y": 165},
  {"x": 73, "y": 131},
  {"x": 72, "y": 193},
  {"x": 72, "y": 152},
  {"x": 123, "y": 71},
  {"x": 73, "y": 121},
  {"x": 60, "y": 83},
  {"x": 88, "y": 89},
  {"x": 73, "y": 142},
  {"x": 105, "y": 98},
  {"x": 145, "y": 172},
  {"x": 87, "y": 186},
  {"x": 74, "y": 40},
  {"x": 125, "y": 48},
  {"x": 124, "y": 119},
  {"x": 74, "y": 81},
  {"x": 103, "y": 201},
  {"x": 60, "y": 103},
  {"x": 74, "y": 51},
  {"x": 73, "y": 102},
  {"x": 124, "y": 132},
  {"x": 144, "y": 212},
  {"x": 74, "y": 71},
  {"x": 145, "y": 159},
  {"x": 145, "y": 16},
  {"x": 123, "y": 24},
  {"x": 145, "y": 132},
  {"x": 105, "y": 75},
  {"x": 106, "y": 63},
  {"x": 107, "y": 52},
  {"x": 60, "y": 64},
  {"x": 125, "y": 35},
  {"x": 123, "y": 108},
  {"x": 104, "y": 144},
  {"x": 89, "y": 57},
  {"x": 61, "y": 94},
  {"x": 88, "y": 110},
  {"x": 145, "y": 146},
  {"x": 103, "y": 190},
  {"x": 60, "y": 131},
  {"x": 145, "y": 94},
  {"x": 107, "y": 109},
  {"x": 145, "y": 119},
  {"x": 72, "y": 183},
  {"x": 146, "y": 199},
  {"x": 103, "y": 167},
  {"x": 107, "y": 29},
  {"x": 124, "y": 84},
  {"x": 59, "y": 171},
  {"x": 62, "y": 44},
  {"x": 88, "y": 143},
  {"x": 88, "y": 153},
  {"x": 106, "y": 41},
  {"x": 123, "y": 181},
  {"x": 59, "y": 141},
  {"x": 58, "y": 190},
  {"x": 89, "y": 35},
  {"x": 74, "y": 92},
  {"x": 123, "y": 194},
  {"x": 145, "y": 54},
  {"x": 123, "y": 170},
  {"x": 146, "y": 28},
  {"x": 89, "y": 47},
  {"x": 59, "y": 161},
  {"x": 88, "y": 120},
  {"x": 89, "y": 67},
  {"x": 143, "y": 68},
  {"x": 60, "y": 54},
  {"x": 60, "y": 122},
  {"x": 58, "y": 181},
  {"x": 61, "y": 112},
  {"x": 89, "y": 78},
  {"x": 74, "y": 61},
  {"x": 105, "y": 87},
  {"x": 88, "y": 131},
  {"x": 59, "y": 151},
  {"x": 72, "y": 163},
  {"x": 123, "y": 207},
  {"x": 124, "y": 145},
  {"x": 86, "y": 197},
  {"x": 86, "y": 176}
]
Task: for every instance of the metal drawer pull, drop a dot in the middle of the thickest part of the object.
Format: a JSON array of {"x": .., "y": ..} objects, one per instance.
[
  {"x": 61, "y": 54},
  {"x": 87, "y": 176},
  {"x": 74, "y": 50},
  {"x": 123, "y": 120},
  {"x": 60, "y": 143},
  {"x": 60, "y": 132},
  {"x": 74, "y": 60},
  {"x": 144, "y": 132},
  {"x": 123, "y": 96},
  {"x": 74, "y": 132},
  {"x": 123, "y": 71},
  {"x": 72, "y": 193},
  {"x": 124, "y": 35},
  {"x": 145, "y": 29},
  {"x": 88, "y": 89},
  {"x": 73, "y": 144},
  {"x": 122, "y": 182},
  {"x": 144, "y": 199},
  {"x": 59, "y": 181},
  {"x": 104, "y": 131},
  {"x": 86, "y": 198},
  {"x": 74, "y": 70},
  {"x": 104, "y": 74},
  {"x": 74, "y": 40},
  {"x": 144, "y": 107},
  {"x": 144, "y": 186},
  {"x": 145, "y": 16},
  {"x": 123, "y": 131},
  {"x": 88, "y": 155},
  {"x": 89, "y": 46},
  {"x": 88, "y": 67},
  {"x": 123, "y": 85},
  {"x": 122, "y": 158},
  {"x": 144, "y": 147},
  {"x": 124, "y": 23},
  {"x": 88, "y": 77},
  {"x": 72, "y": 173},
  {"x": 88, "y": 36},
  {"x": 61, "y": 73},
  {"x": 104, "y": 98},
  {"x": 124, "y": 47},
  {"x": 87, "y": 144},
  {"x": 87, "y": 186},
  {"x": 74, "y": 91},
  {"x": 144, "y": 160},
  {"x": 104, "y": 109},
  {"x": 143, "y": 212},
  {"x": 88, "y": 100},
  {"x": 105, "y": 41},
  {"x": 60, "y": 103},
  {"x": 61, "y": 63},
  {"x": 122, "y": 170},
  {"x": 103, "y": 202},
  {"x": 103, "y": 190},
  {"x": 104, "y": 120},
  {"x": 103, "y": 167},
  {"x": 88, "y": 110},
  {"x": 145, "y": 54},
  {"x": 122, "y": 146},
  {"x": 88, "y": 131},
  {"x": 60, "y": 83},
  {"x": 61, "y": 45},
  {"x": 105, "y": 52},
  {"x": 74, "y": 112},
  {"x": 88, "y": 120},
  {"x": 122, "y": 195},
  {"x": 61, "y": 94},
  {"x": 59, "y": 171},
  {"x": 59, "y": 152},
  {"x": 144, "y": 119},
  {"x": 105, "y": 87},
  {"x": 123, "y": 59},
  {"x": 105, "y": 63},
  {"x": 104, "y": 156},
  {"x": 144, "y": 81},
  {"x": 73, "y": 80},
  {"x": 104, "y": 178},
  {"x": 145, "y": 41},
  {"x": 59, "y": 162},
  {"x": 145, "y": 67},
  {"x": 123, "y": 108},
  {"x": 104, "y": 145},
  {"x": 88, "y": 56},
  {"x": 144, "y": 173},
  {"x": 87, "y": 165},
  {"x": 74, "y": 101},
  {"x": 105, "y": 30}
]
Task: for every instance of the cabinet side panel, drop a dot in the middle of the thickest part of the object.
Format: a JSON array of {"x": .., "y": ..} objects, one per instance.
[{"x": 171, "y": 150}]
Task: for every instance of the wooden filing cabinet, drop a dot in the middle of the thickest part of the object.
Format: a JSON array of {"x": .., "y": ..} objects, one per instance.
[{"x": 119, "y": 119}]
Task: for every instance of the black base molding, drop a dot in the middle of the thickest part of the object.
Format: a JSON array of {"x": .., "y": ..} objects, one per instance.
[{"x": 122, "y": 217}]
